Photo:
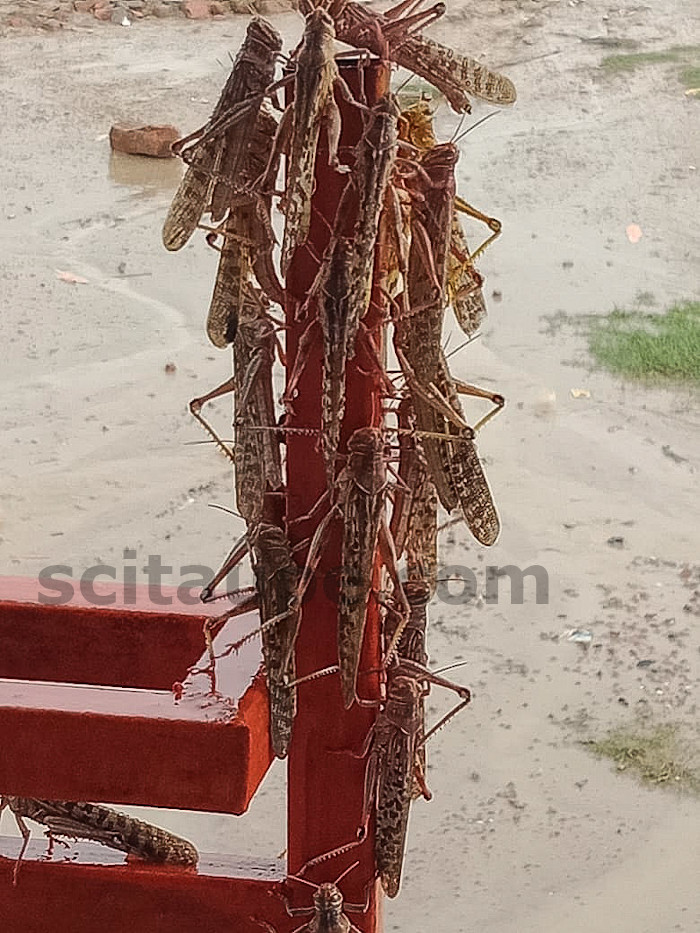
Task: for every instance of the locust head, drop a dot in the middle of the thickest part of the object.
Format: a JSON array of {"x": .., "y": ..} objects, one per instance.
[
  {"x": 263, "y": 33},
  {"x": 328, "y": 901},
  {"x": 319, "y": 25}
]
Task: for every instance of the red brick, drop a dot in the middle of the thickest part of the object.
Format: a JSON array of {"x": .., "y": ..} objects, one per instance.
[
  {"x": 144, "y": 140},
  {"x": 197, "y": 9}
]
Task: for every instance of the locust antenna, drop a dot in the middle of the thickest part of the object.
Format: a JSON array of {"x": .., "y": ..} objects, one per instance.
[{"x": 474, "y": 125}]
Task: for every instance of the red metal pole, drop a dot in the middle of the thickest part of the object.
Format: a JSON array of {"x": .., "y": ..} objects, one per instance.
[{"x": 325, "y": 781}]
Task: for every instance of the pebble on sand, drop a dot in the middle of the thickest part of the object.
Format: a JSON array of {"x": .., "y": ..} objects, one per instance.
[{"x": 154, "y": 141}]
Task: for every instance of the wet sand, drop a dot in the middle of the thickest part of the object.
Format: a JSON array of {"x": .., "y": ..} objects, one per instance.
[{"x": 526, "y": 830}]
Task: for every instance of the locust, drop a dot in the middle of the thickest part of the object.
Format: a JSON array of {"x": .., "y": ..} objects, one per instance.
[
  {"x": 391, "y": 748},
  {"x": 315, "y": 80},
  {"x": 463, "y": 282},
  {"x": 257, "y": 458},
  {"x": 276, "y": 577},
  {"x": 97, "y": 823},
  {"x": 215, "y": 155},
  {"x": 411, "y": 647},
  {"x": 392, "y": 35},
  {"x": 357, "y": 498},
  {"x": 394, "y": 767},
  {"x": 248, "y": 242},
  {"x": 414, "y": 516},
  {"x": 344, "y": 280},
  {"x": 328, "y": 908},
  {"x": 448, "y": 439}
]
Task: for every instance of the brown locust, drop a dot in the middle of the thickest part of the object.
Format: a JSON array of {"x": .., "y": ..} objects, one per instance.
[{"x": 215, "y": 155}]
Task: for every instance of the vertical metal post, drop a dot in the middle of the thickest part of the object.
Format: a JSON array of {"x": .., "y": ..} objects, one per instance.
[{"x": 325, "y": 781}]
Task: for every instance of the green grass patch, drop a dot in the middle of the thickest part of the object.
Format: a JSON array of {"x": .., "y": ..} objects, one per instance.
[
  {"x": 641, "y": 345},
  {"x": 689, "y": 55},
  {"x": 690, "y": 77},
  {"x": 658, "y": 755},
  {"x": 616, "y": 63}
]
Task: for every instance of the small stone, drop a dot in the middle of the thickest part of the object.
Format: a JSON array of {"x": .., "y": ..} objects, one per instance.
[
  {"x": 616, "y": 541},
  {"x": 196, "y": 9},
  {"x": 84, "y": 6},
  {"x": 217, "y": 9},
  {"x": 170, "y": 368},
  {"x": 154, "y": 141},
  {"x": 102, "y": 11}
]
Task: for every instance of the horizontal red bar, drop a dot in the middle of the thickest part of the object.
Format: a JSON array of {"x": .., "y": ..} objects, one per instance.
[
  {"x": 82, "y": 892},
  {"x": 117, "y": 743},
  {"x": 134, "y": 642}
]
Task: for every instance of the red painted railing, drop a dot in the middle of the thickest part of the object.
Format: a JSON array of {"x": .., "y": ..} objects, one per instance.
[{"x": 87, "y": 713}]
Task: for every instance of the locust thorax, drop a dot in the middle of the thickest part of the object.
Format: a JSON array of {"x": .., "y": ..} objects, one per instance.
[
  {"x": 319, "y": 29},
  {"x": 367, "y": 459},
  {"x": 403, "y": 694},
  {"x": 441, "y": 158}
]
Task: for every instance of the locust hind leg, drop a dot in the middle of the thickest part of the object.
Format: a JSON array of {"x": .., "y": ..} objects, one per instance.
[
  {"x": 333, "y": 123},
  {"x": 265, "y": 183},
  {"x": 465, "y": 388},
  {"x": 491, "y": 222},
  {"x": 306, "y": 342},
  {"x": 196, "y": 406},
  {"x": 387, "y": 551}
]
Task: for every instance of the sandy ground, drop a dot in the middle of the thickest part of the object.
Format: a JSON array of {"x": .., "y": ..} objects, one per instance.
[{"x": 527, "y": 832}]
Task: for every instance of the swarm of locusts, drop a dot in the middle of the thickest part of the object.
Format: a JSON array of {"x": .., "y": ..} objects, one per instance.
[{"x": 397, "y": 243}]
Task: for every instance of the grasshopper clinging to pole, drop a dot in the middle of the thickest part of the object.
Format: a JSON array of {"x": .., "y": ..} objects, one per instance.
[
  {"x": 454, "y": 464},
  {"x": 209, "y": 151},
  {"x": 328, "y": 908},
  {"x": 257, "y": 458},
  {"x": 358, "y": 499},
  {"x": 394, "y": 767},
  {"x": 393, "y": 35},
  {"x": 343, "y": 283},
  {"x": 316, "y": 78},
  {"x": 248, "y": 242},
  {"x": 463, "y": 282},
  {"x": 276, "y": 579}
]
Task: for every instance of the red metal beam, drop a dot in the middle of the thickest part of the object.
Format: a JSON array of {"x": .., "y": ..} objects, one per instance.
[
  {"x": 109, "y": 895},
  {"x": 117, "y": 742}
]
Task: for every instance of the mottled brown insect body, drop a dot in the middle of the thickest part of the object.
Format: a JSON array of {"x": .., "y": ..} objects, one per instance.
[
  {"x": 211, "y": 151},
  {"x": 392, "y": 748},
  {"x": 277, "y": 576},
  {"x": 364, "y": 503},
  {"x": 257, "y": 451},
  {"x": 97, "y": 823},
  {"x": 453, "y": 464},
  {"x": 393, "y": 37},
  {"x": 316, "y": 77},
  {"x": 414, "y": 518}
]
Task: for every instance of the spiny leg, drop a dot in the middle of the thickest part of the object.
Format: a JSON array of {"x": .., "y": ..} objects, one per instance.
[
  {"x": 491, "y": 222},
  {"x": 465, "y": 388},
  {"x": 196, "y": 406}
]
